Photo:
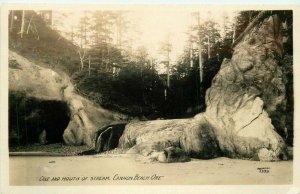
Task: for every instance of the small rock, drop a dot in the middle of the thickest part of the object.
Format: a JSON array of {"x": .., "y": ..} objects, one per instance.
[
  {"x": 265, "y": 155},
  {"x": 162, "y": 157},
  {"x": 42, "y": 137}
]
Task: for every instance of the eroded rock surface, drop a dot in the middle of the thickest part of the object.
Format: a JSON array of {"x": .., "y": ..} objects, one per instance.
[
  {"x": 245, "y": 91},
  {"x": 45, "y": 85},
  {"x": 193, "y": 136}
]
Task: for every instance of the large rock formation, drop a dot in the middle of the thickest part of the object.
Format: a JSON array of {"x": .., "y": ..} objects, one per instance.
[
  {"x": 246, "y": 89},
  {"x": 194, "y": 136},
  {"x": 236, "y": 123},
  {"x": 42, "y": 86}
]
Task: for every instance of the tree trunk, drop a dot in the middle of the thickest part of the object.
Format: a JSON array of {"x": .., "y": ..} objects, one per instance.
[
  {"x": 22, "y": 24},
  {"x": 89, "y": 65},
  {"x": 200, "y": 49},
  {"x": 168, "y": 70},
  {"x": 81, "y": 35},
  {"x": 11, "y": 21},
  {"x": 191, "y": 55},
  {"x": 208, "y": 48},
  {"x": 85, "y": 38},
  {"x": 233, "y": 34},
  {"x": 27, "y": 31},
  {"x": 72, "y": 34},
  {"x": 81, "y": 56}
]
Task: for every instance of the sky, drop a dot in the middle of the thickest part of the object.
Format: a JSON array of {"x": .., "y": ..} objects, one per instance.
[
  {"x": 151, "y": 27},
  {"x": 156, "y": 26}
]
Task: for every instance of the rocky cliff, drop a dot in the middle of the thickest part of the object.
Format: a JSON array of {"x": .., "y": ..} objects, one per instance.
[
  {"x": 245, "y": 91},
  {"x": 42, "y": 101}
]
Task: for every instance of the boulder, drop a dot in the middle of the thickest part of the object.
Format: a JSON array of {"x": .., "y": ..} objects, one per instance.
[
  {"x": 169, "y": 155},
  {"x": 170, "y": 138},
  {"x": 43, "y": 137}
]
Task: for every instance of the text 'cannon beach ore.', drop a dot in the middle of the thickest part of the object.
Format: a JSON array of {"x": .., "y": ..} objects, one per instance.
[{"x": 136, "y": 177}]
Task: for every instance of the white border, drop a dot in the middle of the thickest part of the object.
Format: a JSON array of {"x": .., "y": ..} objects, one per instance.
[{"x": 274, "y": 189}]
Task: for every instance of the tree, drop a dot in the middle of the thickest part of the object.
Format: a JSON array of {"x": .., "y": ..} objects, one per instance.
[
  {"x": 57, "y": 22},
  {"x": 207, "y": 36},
  {"x": 81, "y": 34},
  {"x": 201, "y": 59},
  {"x": 205, "y": 39},
  {"x": 210, "y": 33},
  {"x": 166, "y": 49},
  {"x": 242, "y": 20},
  {"x": 225, "y": 49},
  {"x": 102, "y": 34}
]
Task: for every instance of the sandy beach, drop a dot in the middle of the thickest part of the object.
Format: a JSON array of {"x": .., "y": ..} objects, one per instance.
[{"x": 128, "y": 169}]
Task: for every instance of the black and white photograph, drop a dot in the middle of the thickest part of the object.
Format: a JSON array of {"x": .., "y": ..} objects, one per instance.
[{"x": 150, "y": 95}]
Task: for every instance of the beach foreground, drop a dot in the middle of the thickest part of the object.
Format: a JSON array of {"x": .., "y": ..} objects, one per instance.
[{"x": 126, "y": 169}]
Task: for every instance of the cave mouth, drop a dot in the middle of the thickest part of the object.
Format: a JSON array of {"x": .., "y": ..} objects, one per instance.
[{"x": 31, "y": 119}]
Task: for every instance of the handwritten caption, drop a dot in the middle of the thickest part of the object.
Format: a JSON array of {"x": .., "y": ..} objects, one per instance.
[{"x": 115, "y": 177}]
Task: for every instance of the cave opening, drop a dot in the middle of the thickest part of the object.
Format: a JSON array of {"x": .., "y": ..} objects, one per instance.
[{"x": 33, "y": 120}]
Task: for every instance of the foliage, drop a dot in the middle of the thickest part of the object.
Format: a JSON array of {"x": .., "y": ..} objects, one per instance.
[
  {"x": 121, "y": 92},
  {"x": 242, "y": 20},
  {"x": 287, "y": 68},
  {"x": 186, "y": 92},
  {"x": 42, "y": 44}
]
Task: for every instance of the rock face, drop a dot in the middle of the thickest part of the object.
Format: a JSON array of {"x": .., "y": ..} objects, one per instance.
[
  {"x": 236, "y": 123},
  {"x": 245, "y": 91},
  {"x": 194, "y": 136},
  {"x": 45, "y": 85}
]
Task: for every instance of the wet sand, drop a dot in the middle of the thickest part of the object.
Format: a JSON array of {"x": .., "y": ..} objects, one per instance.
[{"x": 132, "y": 169}]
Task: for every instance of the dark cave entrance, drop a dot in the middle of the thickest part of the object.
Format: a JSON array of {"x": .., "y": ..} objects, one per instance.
[{"x": 29, "y": 117}]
